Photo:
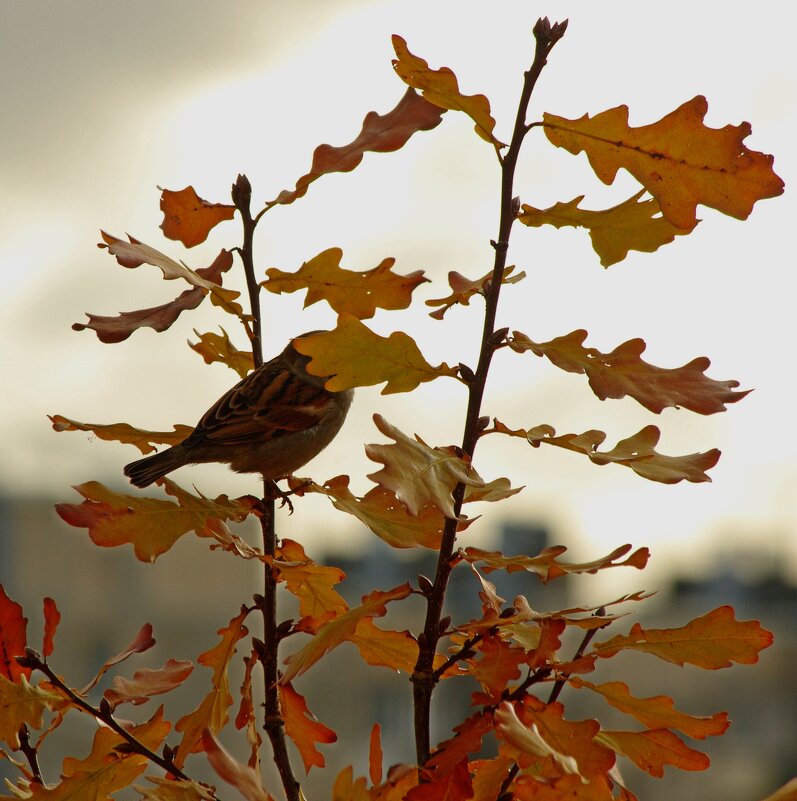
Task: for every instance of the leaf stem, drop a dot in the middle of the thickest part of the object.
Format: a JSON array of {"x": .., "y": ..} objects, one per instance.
[
  {"x": 424, "y": 678},
  {"x": 274, "y": 723}
]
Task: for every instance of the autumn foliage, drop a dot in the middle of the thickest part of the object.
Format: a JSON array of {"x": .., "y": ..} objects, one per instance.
[{"x": 518, "y": 741}]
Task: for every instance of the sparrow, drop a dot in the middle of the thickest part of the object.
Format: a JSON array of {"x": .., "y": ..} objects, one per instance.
[{"x": 272, "y": 422}]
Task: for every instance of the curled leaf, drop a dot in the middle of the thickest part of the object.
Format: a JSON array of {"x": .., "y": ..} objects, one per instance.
[
  {"x": 188, "y": 218},
  {"x": 463, "y": 289},
  {"x": 218, "y": 348}
]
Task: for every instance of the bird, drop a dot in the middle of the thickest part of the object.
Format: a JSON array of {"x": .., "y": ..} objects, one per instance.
[{"x": 272, "y": 422}]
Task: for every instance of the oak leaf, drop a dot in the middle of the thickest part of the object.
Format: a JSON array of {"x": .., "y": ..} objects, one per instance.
[
  {"x": 218, "y": 348},
  {"x": 713, "y": 641},
  {"x": 442, "y": 88},
  {"x": 498, "y": 664},
  {"x": 397, "y": 650},
  {"x": 174, "y": 790},
  {"x": 150, "y": 525},
  {"x": 334, "y": 632},
  {"x": 122, "y": 432},
  {"x": 357, "y": 357},
  {"x": 188, "y": 218},
  {"x": 463, "y": 289},
  {"x": 13, "y": 638},
  {"x": 678, "y": 159},
  {"x": 356, "y": 293},
  {"x": 652, "y": 750},
  {"x": 242, "y": 777},
  {"x": 347, "y": 788},
  {"x": 657, "y": 712},
  {"x": 23, "y": 703},
  {"x": 380, "y": 134},
  {"x": 467, "y": 739},
  {"x": 417, "y": 474},
  {"x": 547, "y": 565},
  {"x": 489, "y": 776},
  {"x": 303, "y": 728},
  {"x": 637, "y": 452},
  {"x": 633, "y": 224},
  {"x": 375, "y": 755},
  {"x": 212, "y": 714},
  {"x": 52, "y": 617},
  {"x": 142, "y": 642},
  {"x": 622, "y": 372},
  {"x": 454, "y": 785},
  {"x": 146, "y": 683}
]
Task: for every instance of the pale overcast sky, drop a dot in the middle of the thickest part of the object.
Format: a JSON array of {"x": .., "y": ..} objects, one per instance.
[{"x": 103, "y": 101}]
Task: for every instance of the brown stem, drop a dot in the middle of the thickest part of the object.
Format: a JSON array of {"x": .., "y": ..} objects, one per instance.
[
  {"x": 423, "y": 677},
  {"x": 31, "y": 754},
  {"x": 274, "y": 724}
]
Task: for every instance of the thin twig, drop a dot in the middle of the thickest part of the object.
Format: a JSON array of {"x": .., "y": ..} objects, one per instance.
[
  {"x": 31, "y": 754},
  {"x": 274, "y": 723},
  {"x": 423, "y": 678}
]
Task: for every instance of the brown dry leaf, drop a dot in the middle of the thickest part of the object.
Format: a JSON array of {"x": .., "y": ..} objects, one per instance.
[
  {"x": 713, "y": 641},
  {"x": 678, "y": 159},
  {"x": 631, "y": 225},
  {"x": 357, "y": 293},
  {"x": 146, "y": 683},
  {"x": 636, "y": 452},
  {"x": 652, "y": 750},
  {"x": 548, "y": 566},
  {"x": 213, "y": 713},
  {"x": 441, "y": 88},
  {"x": 242, "y": 777},
  {"x": 188, "y": 218},
  {"x": 142, "y": 642},
  {"x": 303, "y": 728},
  {"x": 150, "y": 525},
  {"x": 417, "y": 474},
  {"x": 122, "y": 432},
  {"x": 214, "y": 348},
  {"x": 623, "y": 372},
  {"x": 334, "y": 632},
  {"x": 657, "y": 712},
  {"x": 463, "y": 289},
  {"x": 379, "y": 134},
  {"x": 357, "y": 357}
]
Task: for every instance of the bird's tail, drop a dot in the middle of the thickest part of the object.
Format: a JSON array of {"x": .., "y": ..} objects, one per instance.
[{"x": 144, "y": 471}]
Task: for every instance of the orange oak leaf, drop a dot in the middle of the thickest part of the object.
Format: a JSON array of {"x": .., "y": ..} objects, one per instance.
[
  {"x": 245, "y": 716},
  {"x": 657, "y": 712},
  {"x": 678, "y": 159},
  {"x": 13, "y": 638},
  {"x": 637, "y": 452},
  {"x": 52, "y": 617},
  {"x": 150, "y": 525},
  {"x": 379, "y": 134},
  {"x": 547, "y": 565},
  {"x": 573, "y": 788},
  {"x": 303, "y": 728},
  {"x": 396, "y": 650},
  {"x": 142, "y": 642},
  {"x": 357, "y": 357},
  {"x": 347, "y": 788},
  {"x": 442, "y": 88},
  {"x": 214, "y": 348},
  {"x": 454, "y": 785},
  {"x": 463, "y": 289},
  {"x": 633, "y": 224},
  {"x": 146, "y": 683},
  {"x": 122, "y": 432},
  {"x": 213, "y": 712},
  {"x": 334, "y": 632},
  {"x": 467, "y": 739},
  {"x": 622, "y": 372},
  {"x": 498, "y": 664},
  {"x": 23, "y": 703},
  {"x": 188, "y": 218},
  {"x": 400, "y": 780},
  {"x": 489, "y": 776},
  {"x": 652, "y": 750},
  {"x": 357, "y": 293},
  {"x": 174, "y": 790},
  {"x": 375, "y": 755},
  {"x": 417, "y": 474},
  {"x": 242, "y": 777},
  {"x": 159, "y": 318},
  {"x": 109, "y": 768},
  {"x": 713, "y": 641},
  {"x": 311, "y": 583},
  {"x": 788, "y": 792}
]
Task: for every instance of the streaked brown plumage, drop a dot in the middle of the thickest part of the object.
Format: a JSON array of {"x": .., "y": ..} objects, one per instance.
[{"x": 272, "y": 422}]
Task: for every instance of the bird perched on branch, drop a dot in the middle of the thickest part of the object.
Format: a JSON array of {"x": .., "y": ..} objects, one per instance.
[{"x": 272, "y": 422}]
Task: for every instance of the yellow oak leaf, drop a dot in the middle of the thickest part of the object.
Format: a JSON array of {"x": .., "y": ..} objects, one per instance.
[
  {"x": 678, "y": 159},
  {"x": 463, "y": 289},
  {"x": 122, "y": 432},
  {"x": 441, "y": 88},
  {"x": 23, "y": 703},
  {"x": 188, "y": 218},
  {"x": 218, "y": 348},
  {"x": 631, "y": 225},
  {"x": 357, "y": 357},
  {"x": 652, "y": 750},
  {"x": 357, "y": 293},
  {"x": 174, "y": 790}
]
